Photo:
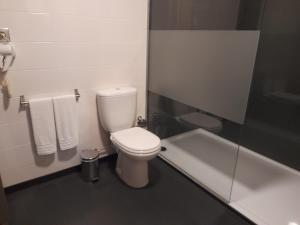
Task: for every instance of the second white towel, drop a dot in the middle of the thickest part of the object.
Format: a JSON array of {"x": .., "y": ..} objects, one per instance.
[{"x": 66, "y": 120}]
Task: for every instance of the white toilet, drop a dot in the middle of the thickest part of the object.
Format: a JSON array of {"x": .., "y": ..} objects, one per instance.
[
  {"x": 196, "y": 120},
  {"x": 135, "y": 146}
]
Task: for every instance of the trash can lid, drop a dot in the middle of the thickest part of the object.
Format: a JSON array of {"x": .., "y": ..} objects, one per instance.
[{"x": 89, "y": 154}]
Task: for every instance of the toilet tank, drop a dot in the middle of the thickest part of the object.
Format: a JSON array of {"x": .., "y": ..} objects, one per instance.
[{"x": 117, "y": 108}]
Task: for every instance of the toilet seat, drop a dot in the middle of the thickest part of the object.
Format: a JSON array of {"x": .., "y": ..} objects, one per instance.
[{"x": 136, "y": 141}]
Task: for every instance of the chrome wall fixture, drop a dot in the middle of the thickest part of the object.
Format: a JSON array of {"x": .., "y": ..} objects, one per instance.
[
  {"x": 4, "y": 35},
  {"x": 24, "y": 103}
]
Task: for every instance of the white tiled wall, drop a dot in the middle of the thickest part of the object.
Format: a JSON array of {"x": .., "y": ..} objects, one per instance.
[{"x": 62, "y": 45}]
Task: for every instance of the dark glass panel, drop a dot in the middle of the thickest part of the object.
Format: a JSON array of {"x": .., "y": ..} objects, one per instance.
[
  {"x": 206, "y": 14},
  {"x": 272, "y": 125}
]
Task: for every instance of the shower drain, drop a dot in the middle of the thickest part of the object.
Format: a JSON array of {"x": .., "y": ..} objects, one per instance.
[{"x": 163, "y": 149}]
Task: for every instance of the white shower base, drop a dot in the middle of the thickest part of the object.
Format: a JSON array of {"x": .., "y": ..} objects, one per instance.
[
  {"x": 204, "y": 157},
  {"x": 265, "y": 191}
]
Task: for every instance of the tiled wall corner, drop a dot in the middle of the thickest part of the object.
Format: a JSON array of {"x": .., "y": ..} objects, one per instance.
[{"x": 62, "y": 45}]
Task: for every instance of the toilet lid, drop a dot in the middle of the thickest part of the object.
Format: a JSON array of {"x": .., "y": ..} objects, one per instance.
[
  {"x": 136, "y": 140},
  {"x": 202, "y": 120}
]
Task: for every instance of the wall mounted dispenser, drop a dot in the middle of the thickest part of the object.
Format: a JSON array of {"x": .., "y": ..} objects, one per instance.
[{"x": 7, "y": 52}]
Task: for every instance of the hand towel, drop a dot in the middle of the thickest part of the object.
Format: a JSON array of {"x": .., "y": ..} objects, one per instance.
[
  {"x": 66, "y": 120},
  {"x": 42, "y": 118}
]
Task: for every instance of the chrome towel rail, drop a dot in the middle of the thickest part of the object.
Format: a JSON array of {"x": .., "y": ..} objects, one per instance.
[{"x": 24, "y": 103}]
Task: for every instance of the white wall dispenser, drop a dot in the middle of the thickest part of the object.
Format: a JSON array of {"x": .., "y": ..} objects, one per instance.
[{"x": 7, "y": 52}]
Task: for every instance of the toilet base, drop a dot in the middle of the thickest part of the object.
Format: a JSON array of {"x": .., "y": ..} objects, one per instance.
[{"x": 134, "y": 172}]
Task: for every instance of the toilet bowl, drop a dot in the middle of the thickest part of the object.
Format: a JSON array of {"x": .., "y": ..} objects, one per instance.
[
  {"x": 196, "y": 120},
  {"x": 135, "y": 146}
]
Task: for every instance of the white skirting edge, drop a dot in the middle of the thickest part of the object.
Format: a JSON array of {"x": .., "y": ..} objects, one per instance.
[
  {"x": 192, "y": 178},
  {"x": 253, "y": 217},
  {"x": 41, "y": 172}
]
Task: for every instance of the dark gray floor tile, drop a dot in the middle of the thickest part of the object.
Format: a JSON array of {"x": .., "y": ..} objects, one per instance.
[{"x": 169, "y": 199}]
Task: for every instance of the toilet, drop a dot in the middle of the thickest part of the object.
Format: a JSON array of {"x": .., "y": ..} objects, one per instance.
[
  {"x": 135, "y": 146},
  {"x": 196, "y": 120}
]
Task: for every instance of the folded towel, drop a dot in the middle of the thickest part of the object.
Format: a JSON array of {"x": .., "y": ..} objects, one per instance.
[
  {"x": 42, "y": 118},
  {"x": 66, "y": 120}
]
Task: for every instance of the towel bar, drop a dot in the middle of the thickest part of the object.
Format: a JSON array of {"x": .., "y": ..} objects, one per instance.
[{"x": 24, "y": 103}]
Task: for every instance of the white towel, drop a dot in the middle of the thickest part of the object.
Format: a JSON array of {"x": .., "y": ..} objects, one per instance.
[
  {"x": 42, "y": 118},
  {"x": 66, "y": 120}
]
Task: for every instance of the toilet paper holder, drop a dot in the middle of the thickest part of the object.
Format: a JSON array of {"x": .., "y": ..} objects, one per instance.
[{"x": 24, "y": 103}]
